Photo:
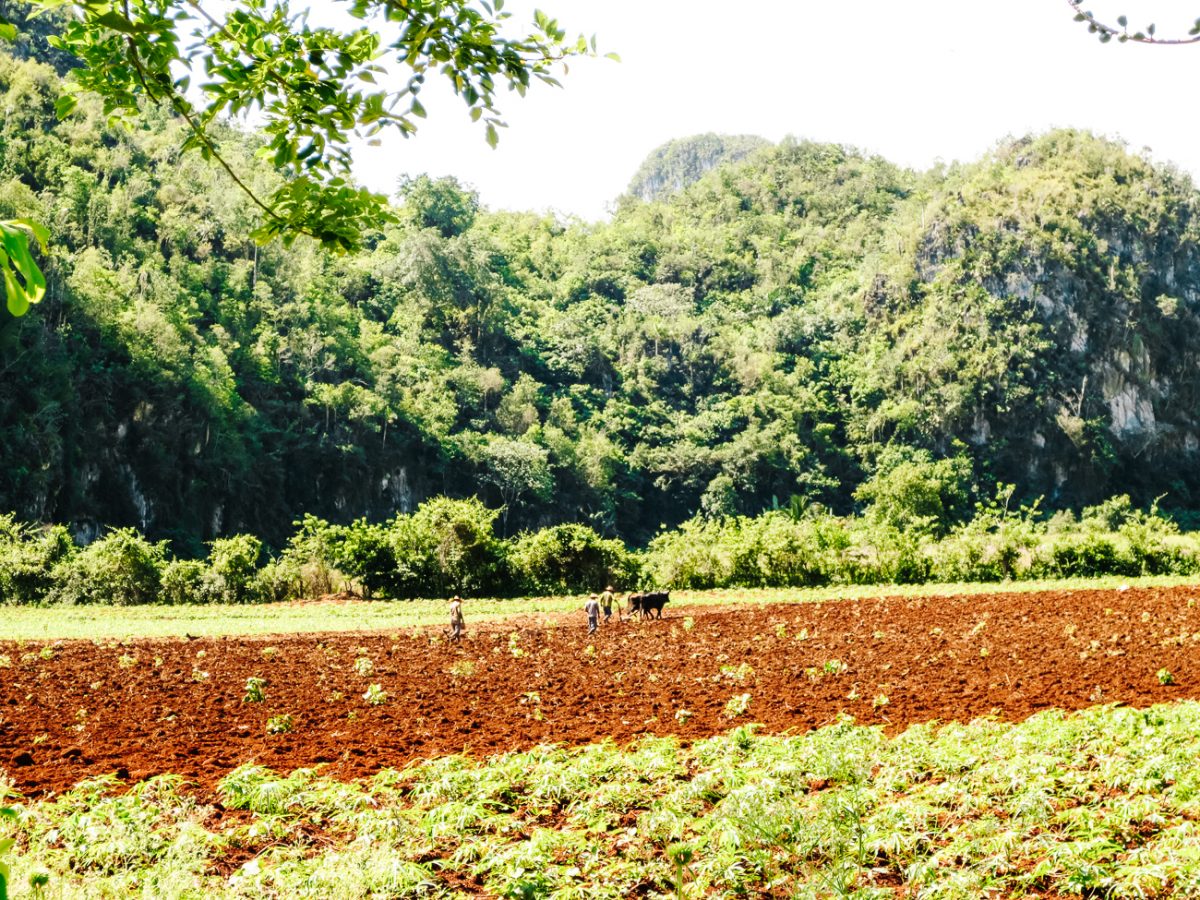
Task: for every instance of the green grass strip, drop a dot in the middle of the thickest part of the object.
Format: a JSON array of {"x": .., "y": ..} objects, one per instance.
[{"x": 118, "y": 623}]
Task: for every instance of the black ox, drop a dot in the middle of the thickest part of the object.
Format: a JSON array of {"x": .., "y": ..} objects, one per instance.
[{"x": 649, "y": 605}]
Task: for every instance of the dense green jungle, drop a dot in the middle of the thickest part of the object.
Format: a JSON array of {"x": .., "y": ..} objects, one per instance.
[{"x": 758, "y": 326}]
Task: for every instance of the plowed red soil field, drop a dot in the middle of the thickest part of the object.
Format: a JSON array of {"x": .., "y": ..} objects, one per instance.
[{"x": 146, "y": 707}]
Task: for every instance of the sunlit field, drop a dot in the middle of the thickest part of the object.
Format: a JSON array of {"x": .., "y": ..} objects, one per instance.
[{"x": 117, "y": 623}]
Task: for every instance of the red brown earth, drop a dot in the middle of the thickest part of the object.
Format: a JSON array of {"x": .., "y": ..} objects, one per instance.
[{"x": 82, "y": 712}]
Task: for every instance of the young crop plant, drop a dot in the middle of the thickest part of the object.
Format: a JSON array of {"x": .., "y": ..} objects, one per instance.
[
  {"x": 5, "y": 847},
  {"x": 781, "y": 631},
  {"x": 280, "y": 724},
  {"x": 127, "y": 661},
  {"x": 1165, "y": 676},
  {"x": 254, "y": 690},
  {"x": 688, "y": 623},
  {"x": 375, "y": 695},
  {"x": 514, "y": 645},
  {"x": 834, "y": 667},
  {"x": 534, "y": 700},
  {"x": 363, "y": 666},
  {"x": 199, "y": 675},
  {"x": 464, "y": 668},
  {"x": 682, "y": 716},
  {"x": 737, "y": 673},
  {"x": 5, "y": 661},
  {"x": 681, "y": 856},
  {"x": 737, "y": 706},
  {"x": 269, "y": 653}
]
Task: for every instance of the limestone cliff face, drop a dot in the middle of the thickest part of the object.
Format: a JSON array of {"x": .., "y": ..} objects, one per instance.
[{"x": 1099, "y": 253}]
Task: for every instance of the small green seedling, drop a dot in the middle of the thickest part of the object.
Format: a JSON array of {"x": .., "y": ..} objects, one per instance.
[
  {"x": 280, "y": 724},
  {"x": 363, "y": 666},
  {"x": 464, "y": 668},
  {"x": 737, "y": 706},
  {"x": 1165, "y": 676},
  {"x": 375, "y": 695},
  {"x": 689, "y": 623},
  {"x": 127, "y": 661},
  {"x": 737, "y": 673},
  {"x": 682, "y": 715},
  {"x": 254, "y": 690}
]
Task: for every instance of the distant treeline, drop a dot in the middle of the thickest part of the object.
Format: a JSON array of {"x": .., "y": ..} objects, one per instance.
[{"x": 450, "y": 546}]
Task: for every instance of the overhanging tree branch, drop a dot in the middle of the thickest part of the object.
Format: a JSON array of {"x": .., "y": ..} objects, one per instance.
[{"x": 1122, "y": 33}]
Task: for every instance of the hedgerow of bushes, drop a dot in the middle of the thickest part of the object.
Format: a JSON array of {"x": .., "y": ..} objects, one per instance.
[{"x": 450, "y": 546}]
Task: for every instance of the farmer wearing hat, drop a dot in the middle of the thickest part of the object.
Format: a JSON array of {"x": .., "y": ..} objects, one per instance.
[
  {"x": 456, "y": 618},
  {"x": 606, "y": 603}
]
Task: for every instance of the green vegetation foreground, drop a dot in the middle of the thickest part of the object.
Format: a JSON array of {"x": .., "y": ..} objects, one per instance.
[{"x": 1099, "y": 803}]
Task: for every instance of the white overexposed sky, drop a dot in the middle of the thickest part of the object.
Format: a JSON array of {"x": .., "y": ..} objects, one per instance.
[{"x": 914, "y": 81}]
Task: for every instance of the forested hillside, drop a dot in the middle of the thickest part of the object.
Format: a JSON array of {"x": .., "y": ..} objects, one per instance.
[{"x": 793, "y": 328}]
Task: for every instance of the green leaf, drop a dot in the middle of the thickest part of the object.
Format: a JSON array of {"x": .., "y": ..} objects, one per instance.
[
  {"x": 18, "y": 300},
  {"x": 493, "y": 138},
  {"x": 65, "y": 105},
  {"x": 8, "y": 31},
  {"x": 41, "y": 232},
  {"x": 116, "y": 22},
  {"x": 15, "y": 259}
]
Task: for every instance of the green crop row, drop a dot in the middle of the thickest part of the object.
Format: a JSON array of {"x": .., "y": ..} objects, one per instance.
[{"x": 1103, "y": 803}]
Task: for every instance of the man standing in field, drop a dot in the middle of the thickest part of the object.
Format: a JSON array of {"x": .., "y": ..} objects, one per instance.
[
  {"x": 456, "y": 618},
  {"x": 592, "y": 608},
  {"x": 606, "y": 603}
]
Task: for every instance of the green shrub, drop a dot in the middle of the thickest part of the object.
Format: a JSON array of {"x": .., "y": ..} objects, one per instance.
[
  {"x": 28, "y": 557},
  {"x": 912, "y": 492},
  {"x": 183, "y": 582},
  {"x": 364, "y": 552},
  {"x": 998, "y": 544},
  {"x": 232, "y": 567},
  {"x": 567, "y": 559},
  {"x": 1082, "y": 555},
  {"x": 693, "y": 556},
  {"x": 280, "y": 579},
  {"x": 309, "y": 558},
  {"x": 120, "y": 569},
  {"x": 448, "y": 547}
]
